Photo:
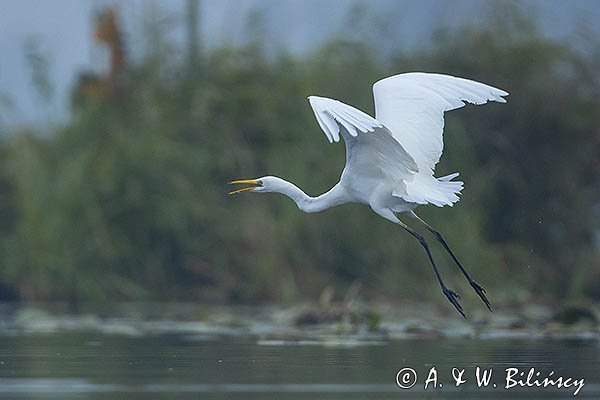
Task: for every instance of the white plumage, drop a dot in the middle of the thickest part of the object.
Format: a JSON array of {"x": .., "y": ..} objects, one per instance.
[
  {"x": 409, "y": 109},
  {"x": 412, "y": 106},
  {"x": 390, "y": 159}
]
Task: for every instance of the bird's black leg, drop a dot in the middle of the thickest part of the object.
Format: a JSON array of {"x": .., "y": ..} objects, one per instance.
[
  {"x": 478, "y": 289},
  {"x": 452, "y": 296}
]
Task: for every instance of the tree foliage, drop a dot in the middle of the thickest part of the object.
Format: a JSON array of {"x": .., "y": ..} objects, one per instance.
[{"x": 128, "y": 199}]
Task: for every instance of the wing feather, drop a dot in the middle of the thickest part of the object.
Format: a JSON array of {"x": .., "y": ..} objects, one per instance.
[
  {"x": 412, "y": 107},
  {"x": 332, "y": 113},
  {"x": 368, "y": 142}
]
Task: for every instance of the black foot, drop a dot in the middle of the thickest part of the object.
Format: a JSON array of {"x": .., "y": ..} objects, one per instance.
[
  {"x": 453, "y": 297},
  {"x": 481, "y": 293}
]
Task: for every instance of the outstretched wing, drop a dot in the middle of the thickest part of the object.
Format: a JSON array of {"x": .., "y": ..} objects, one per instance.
[
  {"x": 370, "y": 145},
  {"x": 412, "y": 106}
]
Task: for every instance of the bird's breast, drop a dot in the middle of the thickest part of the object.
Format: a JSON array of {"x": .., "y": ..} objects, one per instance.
[{"x": 359, "y": 186}]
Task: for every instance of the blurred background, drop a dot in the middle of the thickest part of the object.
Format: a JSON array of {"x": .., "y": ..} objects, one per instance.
[{"x": 121, "y": 122}]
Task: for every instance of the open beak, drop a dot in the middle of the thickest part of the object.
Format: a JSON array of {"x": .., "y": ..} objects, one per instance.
[{"x": 253, "y": 182}]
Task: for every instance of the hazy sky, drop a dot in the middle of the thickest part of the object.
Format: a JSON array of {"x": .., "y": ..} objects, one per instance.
[{"x": 63, "y": 29}]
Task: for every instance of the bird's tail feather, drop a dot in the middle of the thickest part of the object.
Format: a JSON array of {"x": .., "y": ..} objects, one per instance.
[
  {"x": 447, "y": 190},
  {"x": 448, "y": 177},
  {"x": 438, "y": 191}
]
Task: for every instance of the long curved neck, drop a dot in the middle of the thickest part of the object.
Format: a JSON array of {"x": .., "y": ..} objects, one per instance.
[{"x": 335, "y": 196}]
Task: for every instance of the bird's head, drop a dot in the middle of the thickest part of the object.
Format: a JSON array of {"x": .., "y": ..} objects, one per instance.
[{"x": 266, "y": 184}]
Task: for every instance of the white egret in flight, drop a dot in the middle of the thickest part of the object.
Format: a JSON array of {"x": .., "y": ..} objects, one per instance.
[{"x": 390, "y": 159}]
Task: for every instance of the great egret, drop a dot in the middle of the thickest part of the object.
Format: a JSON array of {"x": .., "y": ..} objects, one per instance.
[{"x": 390, "y": 159}]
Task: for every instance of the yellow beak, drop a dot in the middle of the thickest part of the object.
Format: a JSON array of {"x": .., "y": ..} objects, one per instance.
[{"x": 252, "y": 182}]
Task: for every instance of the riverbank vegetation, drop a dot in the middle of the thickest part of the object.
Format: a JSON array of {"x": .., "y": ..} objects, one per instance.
[{"x": 127, "y": 200}]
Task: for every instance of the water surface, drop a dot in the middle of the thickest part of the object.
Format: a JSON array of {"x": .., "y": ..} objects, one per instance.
[{"x": 103, "y": 366}]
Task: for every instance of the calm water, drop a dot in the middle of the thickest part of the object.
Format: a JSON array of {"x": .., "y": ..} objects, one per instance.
[{"x": 96, "y": 366}]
